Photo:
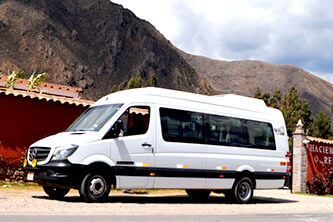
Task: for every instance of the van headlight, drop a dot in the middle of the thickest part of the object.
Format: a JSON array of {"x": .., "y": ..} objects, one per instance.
[{"x": 62, "y": 152}]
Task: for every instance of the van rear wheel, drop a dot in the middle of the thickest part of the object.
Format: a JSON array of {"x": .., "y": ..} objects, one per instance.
[
  {"x": 198, "y": 194},
  {"x": 55, "y": 192},
  {"x": 242, "y": 191}
]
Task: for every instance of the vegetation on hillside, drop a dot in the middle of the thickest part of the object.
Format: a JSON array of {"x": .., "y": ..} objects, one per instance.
[{"x": 136, "y": 82}]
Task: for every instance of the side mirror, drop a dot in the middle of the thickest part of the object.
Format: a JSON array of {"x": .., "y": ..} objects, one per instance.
[
  {"x": 117, "y": 127},
  {"x": 115, "y": 130}
]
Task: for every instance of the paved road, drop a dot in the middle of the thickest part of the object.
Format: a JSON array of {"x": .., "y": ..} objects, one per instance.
[{"x": 171, "y": 218}]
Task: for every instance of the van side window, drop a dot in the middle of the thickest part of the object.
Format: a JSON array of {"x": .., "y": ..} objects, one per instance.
[
  {"x": 135, "y": 120},
  {"x": 192, "y": 127},
  {"x": 225, "y": 131},
  {"x": 260, "y": 135},
  {"x": 182, "y": 126}
]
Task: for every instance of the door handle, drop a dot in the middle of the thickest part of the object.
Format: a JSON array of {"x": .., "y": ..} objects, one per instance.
[{"x": 146, "y": 145}]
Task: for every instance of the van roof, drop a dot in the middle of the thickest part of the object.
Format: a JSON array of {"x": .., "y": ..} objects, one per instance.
[{"x": 229, "y": 100}]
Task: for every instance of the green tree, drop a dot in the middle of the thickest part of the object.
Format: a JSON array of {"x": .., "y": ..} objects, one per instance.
[
  {"x": 306, "y": 113},
  {"x": 138, "y": 79},
  {"x": 275, "y": 101},
  {"x": 131, "y": 83},
  {"x": 12, "y": 77},
  {"x": 120, "y": 87},
  {"x": 154, "y": 80},
  {"x": 135, "y": 82},
  {"x": 148, "y": 83},
  {"x": 257, "y": 93},
  {"x": 269, "y": 101},
  {"x": 114, "y": 89},
  {"x": 322, "y": 126},
  {"x": 291, "y": 106},
  {"x": 294, "y": 109}
]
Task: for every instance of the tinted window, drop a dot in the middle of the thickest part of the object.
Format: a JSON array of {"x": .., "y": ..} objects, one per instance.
[
  {"x": 189, "y": 127},
  {"x": 260, "y": 135},
  {"x": 135, "y": 121},
  {"x": 182, "y": 126},
  {"x": 225, "y": 131}
]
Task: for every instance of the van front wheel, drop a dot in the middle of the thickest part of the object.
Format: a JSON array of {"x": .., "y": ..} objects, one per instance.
[
  {"x": 55, "y": 192},
  {"x": 95, "y": 187}
]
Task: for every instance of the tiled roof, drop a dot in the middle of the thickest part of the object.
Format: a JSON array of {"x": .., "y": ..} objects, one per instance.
[
  {"x": 319, "y": 140},
  {"x": 45, "y": 87},
  {"x": 47, "y": 97}
]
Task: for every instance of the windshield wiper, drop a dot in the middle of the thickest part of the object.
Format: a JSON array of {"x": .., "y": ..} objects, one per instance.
[{"x": 80, "y": 130}]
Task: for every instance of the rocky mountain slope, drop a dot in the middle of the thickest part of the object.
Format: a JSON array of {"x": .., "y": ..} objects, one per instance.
[
  {"x": 93, "y": 44},
  {"x": 243, "y": 77}
]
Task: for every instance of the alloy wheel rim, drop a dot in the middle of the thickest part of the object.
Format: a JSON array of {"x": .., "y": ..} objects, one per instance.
[
  {"x": 244, "y": 191},
  {"x": 97, "y": 186}
]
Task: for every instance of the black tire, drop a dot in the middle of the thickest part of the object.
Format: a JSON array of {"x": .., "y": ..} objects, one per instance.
[
  {"x": 242, "y": 191},
  {"x": 198, "y": 194},
  {"x": 95, "y": 187},
  {"x": 55, "y": 192}
]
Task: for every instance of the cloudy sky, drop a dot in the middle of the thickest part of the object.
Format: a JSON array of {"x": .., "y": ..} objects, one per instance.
[{"x": 298, "y": 32}]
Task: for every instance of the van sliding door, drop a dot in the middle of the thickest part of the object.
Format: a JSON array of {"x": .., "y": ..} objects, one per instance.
[{"x": 180, "y": 156}]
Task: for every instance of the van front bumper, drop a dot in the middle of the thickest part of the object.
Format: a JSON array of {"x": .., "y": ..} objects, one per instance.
[{"x": 61, "y": 174}]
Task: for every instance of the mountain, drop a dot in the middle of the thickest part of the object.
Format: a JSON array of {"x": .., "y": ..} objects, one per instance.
[
  {"x": 243, "y": 77},
  {"x": 95, "y": 44},
  {"x": 92, "y": 44}
]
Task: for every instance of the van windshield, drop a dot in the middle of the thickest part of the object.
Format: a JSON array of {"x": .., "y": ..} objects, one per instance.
[{"x": 94, "y": 118}]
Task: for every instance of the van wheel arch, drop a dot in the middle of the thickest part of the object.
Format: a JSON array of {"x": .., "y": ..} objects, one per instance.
[
  {"x": 101, "y": 167},
  {"x": 247, "y": 174}
]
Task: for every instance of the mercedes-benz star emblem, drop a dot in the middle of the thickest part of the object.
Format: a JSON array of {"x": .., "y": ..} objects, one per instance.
[{"x": 33, "y": 154}]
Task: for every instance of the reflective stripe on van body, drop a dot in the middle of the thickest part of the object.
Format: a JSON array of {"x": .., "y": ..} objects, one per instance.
[{"x": 191, "y": 173}]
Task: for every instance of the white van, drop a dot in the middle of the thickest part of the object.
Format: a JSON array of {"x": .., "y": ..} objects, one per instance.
[{"x": 155, "y": 138}]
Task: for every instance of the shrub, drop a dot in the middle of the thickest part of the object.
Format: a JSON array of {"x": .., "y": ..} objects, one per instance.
[
  {"x": 11, "y": 173},
  {"x": 321, "y": 184}
]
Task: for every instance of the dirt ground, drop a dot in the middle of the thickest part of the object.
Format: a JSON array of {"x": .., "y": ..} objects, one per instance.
[{"x": 32, "y": 200}]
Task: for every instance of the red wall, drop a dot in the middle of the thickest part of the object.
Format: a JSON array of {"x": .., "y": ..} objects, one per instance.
[
  {"x": 23, "y": 121},
  {"x": 320, "y": 158}
]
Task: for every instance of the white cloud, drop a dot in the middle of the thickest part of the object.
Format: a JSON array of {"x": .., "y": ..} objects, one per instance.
[{"x": 295, "y": 32}]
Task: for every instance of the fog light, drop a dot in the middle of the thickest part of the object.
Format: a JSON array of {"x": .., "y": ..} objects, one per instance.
[
  {"x": 34, "y": 163},
  {"x": 25, "y": 163}
]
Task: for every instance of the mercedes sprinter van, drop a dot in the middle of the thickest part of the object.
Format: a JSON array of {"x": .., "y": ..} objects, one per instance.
[{"x": 155, "y": 138}]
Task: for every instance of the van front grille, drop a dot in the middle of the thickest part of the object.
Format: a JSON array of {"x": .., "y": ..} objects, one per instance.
[{"x": 38, "y": 153}]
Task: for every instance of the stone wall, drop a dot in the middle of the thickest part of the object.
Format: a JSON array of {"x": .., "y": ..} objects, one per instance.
[{"x": 299, "y": 167}]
